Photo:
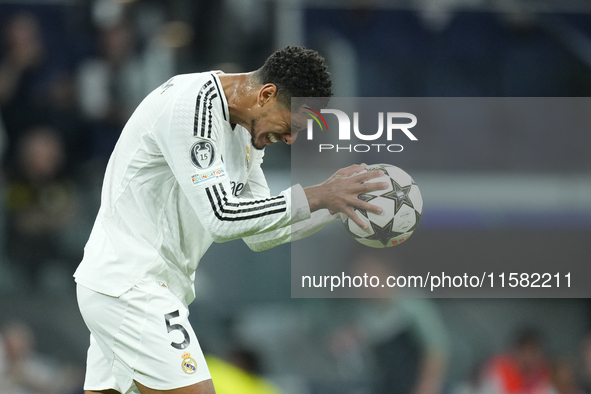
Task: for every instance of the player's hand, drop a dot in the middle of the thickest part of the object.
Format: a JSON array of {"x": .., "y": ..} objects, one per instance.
[{"x": 339, "y": 192}]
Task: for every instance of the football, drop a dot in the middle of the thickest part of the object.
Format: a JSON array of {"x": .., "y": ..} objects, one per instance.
[{"x": 402, "y": 204}]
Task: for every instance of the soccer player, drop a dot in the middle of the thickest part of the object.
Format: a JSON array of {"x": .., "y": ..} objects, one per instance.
[{"x": 186, "y": 172}]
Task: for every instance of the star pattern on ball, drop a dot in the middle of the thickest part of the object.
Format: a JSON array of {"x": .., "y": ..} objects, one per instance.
[
  {"x": 399, "y": 195},
  {"x": 349, "y": 229},
  {"x": 366, "y": 198},
  {"x": 361, "y": 211},
  {"x": 377, "y": 167},
  {"x": 383, "y": 234}
]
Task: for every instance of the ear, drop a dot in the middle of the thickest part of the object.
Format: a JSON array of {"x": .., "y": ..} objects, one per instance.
[{"x": 267, "y": 95}]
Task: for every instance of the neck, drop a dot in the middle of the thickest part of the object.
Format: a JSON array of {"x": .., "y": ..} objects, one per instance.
[{"x": 241, "y": 93}]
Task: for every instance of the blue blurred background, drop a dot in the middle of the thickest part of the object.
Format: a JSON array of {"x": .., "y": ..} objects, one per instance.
[{"x": 71, "y": 73}]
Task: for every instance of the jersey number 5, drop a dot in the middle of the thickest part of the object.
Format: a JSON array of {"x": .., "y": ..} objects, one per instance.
[{"x": 177, "y": 327}]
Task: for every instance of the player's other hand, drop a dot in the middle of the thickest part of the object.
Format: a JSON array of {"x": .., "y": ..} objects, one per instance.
[{"x": 339, "y": 192}]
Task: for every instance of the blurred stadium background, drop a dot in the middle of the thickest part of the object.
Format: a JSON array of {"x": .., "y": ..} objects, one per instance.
[{"x": 71, "y": 72}]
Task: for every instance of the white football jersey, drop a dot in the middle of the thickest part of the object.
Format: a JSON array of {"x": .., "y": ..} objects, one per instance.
[{"x": 180, "y": 178}]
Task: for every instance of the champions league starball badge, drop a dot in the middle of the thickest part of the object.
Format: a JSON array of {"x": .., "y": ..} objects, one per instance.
[{"x": 202, "y": 154}]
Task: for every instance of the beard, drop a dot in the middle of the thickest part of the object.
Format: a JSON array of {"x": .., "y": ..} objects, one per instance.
[{"x": 253, "y": 134}]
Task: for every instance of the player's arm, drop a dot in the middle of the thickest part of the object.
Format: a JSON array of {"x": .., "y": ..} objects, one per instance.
[
  {"x": 188, "y": 134},
  {"x": 256, "y": 187},
  {"x": 297, "y": 231},
  {"x": 209, "y": 191}
]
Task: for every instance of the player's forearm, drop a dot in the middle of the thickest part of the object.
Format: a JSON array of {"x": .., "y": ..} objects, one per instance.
[
  {"x": 225, "y": 226},
  {"x": 233, "y": 218},
  {"x": 315, "y": 197},
  {"x": 293, "y": 232}
]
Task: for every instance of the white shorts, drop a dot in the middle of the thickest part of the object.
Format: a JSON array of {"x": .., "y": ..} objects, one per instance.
[{"x": 145, "y": 336}]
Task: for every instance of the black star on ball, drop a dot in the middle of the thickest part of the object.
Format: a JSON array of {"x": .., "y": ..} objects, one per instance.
[
  {"x": 377, "y": 167},
  {"x": 349, "y": 223},
  {"x": 383, "y": 234},
  {"x": 399, "y": 195},
  {"x": 366, "y": 198}
]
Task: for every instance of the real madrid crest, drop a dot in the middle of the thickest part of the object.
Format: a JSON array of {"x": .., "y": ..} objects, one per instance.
[
  {"x": 189, "y": 365},
  {"x": 247, "y": 157}
]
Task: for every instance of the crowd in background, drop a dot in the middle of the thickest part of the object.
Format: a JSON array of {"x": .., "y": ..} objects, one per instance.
[
  {"x": 67, "y": 89},
  {"x": 70, "y": 77},
  {"x": 61, "y": 118}
]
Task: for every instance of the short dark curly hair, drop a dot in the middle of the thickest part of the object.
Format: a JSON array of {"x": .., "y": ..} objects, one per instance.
[{"x": 297, "y": 72}]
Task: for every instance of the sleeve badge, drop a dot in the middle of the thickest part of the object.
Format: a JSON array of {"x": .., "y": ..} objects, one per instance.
[{"x": 203, "y": 154}]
